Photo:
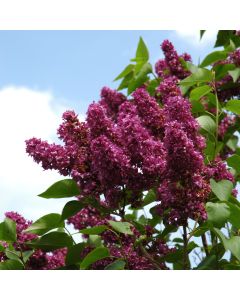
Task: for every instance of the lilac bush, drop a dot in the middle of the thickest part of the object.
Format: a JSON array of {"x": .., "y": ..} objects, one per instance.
[{"x": 153, "y": 170}]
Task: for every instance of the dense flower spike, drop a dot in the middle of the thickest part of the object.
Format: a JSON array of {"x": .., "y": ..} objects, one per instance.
[
  {"x": 51, "y": 156},
  {"x": 173, "y": 60},
  {"x": 184, "y": 190}
]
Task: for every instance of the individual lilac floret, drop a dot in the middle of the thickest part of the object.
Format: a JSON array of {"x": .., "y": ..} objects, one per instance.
[{"x": 149, "y": 110}]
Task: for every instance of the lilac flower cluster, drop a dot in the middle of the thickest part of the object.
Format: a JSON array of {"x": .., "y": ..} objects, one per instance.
[
  {"x": 226, "y": 87},
  {"x": 184, "y": 189},
  {"x": 128, "y": 146},
  {"x": 225, "y": 124},
  {"x": 21, "y": 225},
  {"x": 118, "y": 146},
  {"x": 39, "y": 260},
  {"x": 218, "y": 170},
  {"x": 172, "y": 65}
]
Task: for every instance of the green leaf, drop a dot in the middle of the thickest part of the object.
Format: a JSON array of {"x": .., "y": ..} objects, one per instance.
[
  {"x": 221, "y": 189},
  {"x": 235, "y": 74},
  {"x": 207, "y": 124},
  {"x": 118, "y": 264},
  {"x": 93, "y": 256},
  {"x": 199, "y": 92},
  {"x": 234, "y": 162},
  {"x": 125, "y": 72},
  {"x": 232, "y": 244},
  {"x": 125, "y": 81},
  {"x": 218, "y": 213},
  {"x": 94, "y": 230},
  {"x": 177, "y": 255},
  {"x": 209, "y": 151},
  {"x": 222, "y": 70},
  {"x": 11, "y": 265},
  {"x": 234, "y": 217},
  {"x": 45, "y": 224},
  {"x": 197, "y": 106},
  {"x": 62, "y": 189},
  {"x": 140, "y": 78},
  {"x": 232, "y": 143},
  {"x": 142, "y": 54},
  {"x": 94, "y": 240},
  {"x": 52, "y": 241},
  {"x": 233, "y": 106},
  {"x": 27, "y": 255},
  {"x": 202, "y": 33},
  {"x": 223, "y": 37},
  {"x": 74, "y": 254},
  {"x": 191, "y": 67},
  {"x": 8, "y": 231},
  {"x": 150, "y": 197},
  {"x": 208, "y": 263},
  {"x": 72, "y": 208},
  {"x": 122, "y": 227},
  {"x": 200, "y": 76},
  {"x": 13, "y": 254},
  {"x": 213, "y": 57},
  {"x": 151, "y": 88}
]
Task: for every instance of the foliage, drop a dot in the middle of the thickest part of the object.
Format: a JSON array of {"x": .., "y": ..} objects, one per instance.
[{"x": 153, "y": 173}]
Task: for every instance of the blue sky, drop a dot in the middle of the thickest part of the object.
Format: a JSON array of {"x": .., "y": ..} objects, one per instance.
[
  {"x": 74, "y": 65},
  {"x": 43, "y": 73}
]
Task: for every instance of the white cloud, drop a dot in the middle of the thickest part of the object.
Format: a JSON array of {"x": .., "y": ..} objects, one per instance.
[
  {"x": 26, "y": 113},
  {"x": 192, "y": 36}
]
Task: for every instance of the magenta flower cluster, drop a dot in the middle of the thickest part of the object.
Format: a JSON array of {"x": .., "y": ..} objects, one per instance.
[
  {"x": 125, "y": 147},
  {"x": 39, "y": 260},
  {"x": 135, "y": 144}
]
